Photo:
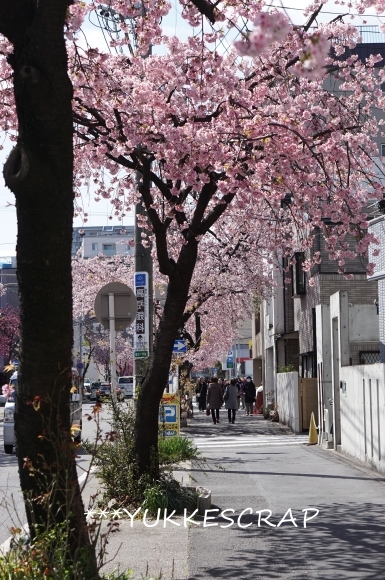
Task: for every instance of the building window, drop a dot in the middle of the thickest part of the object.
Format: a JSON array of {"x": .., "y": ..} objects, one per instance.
[
  {"x": 258, "y": 323},
  {"x": 298, "y": 274},
  {"x": 94, "y": 249},
  {"x": 109, "y": 249},
  {"x": 382, "y": 149}
]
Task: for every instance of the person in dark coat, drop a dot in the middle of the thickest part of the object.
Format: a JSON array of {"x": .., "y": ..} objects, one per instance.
[
  {"x": 215, "y": 399},
  {"x": 231, "y": 399},
  {"x": 250, "y": 394},
  {"x": 202, "y": 394}
]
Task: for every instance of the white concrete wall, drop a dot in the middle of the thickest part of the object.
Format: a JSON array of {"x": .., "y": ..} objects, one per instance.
[
  {"x": 363, "y": 323},
  {"x": 287, "y": 400},
  {"x": 269, "y": 372},
  {"x": 324, "y": 365},
  {"x": 363, "y": 413}
]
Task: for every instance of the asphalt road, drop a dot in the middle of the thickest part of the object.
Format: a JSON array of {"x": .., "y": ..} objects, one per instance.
[{"x": 12, "y": 513}]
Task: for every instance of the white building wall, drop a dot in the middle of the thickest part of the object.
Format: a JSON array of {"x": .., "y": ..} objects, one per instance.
[
  {"x": 363, "y": 323},
  {"x": 363, "y": 413},
  {"x": 94, "y": 245},
  {"x": 288, "y": 400},
  {"x": 324, "y": 367}
]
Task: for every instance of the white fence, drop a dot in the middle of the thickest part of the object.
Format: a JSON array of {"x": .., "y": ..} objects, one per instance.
[
  {"x": 287, "y": 400},
  {"x": 362, "y": 396}
]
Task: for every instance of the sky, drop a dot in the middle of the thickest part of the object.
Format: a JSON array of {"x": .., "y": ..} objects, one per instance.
[{"x": 99, "y": 212}]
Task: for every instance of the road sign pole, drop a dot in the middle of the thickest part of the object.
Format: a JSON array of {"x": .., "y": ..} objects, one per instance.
[
  {"x": 176, "y": 385},
  {"x": 111, "y": 317},
  {"x": 143, "y": 263},
  {"x": 81, "y": 349}
]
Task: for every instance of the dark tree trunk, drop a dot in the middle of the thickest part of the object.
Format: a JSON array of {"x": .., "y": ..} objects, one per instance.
[
  {"x": 39, "y": 171},
  {"x": 146, "y": 426}
]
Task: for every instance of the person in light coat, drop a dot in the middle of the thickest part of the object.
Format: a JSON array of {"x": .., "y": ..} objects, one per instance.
[
  {"x": 215, "y": 399},
  {"x": 231, "y": 400}
]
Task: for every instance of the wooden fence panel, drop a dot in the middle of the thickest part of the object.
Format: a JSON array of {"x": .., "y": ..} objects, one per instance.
[{"x": 309, "y": 401}]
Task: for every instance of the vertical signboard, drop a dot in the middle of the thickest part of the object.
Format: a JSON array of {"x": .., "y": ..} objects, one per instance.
[
  {"x": 230, "y": 359},
  {"x": 169, "y": 416},
  {"x": 142, "y": 322}
]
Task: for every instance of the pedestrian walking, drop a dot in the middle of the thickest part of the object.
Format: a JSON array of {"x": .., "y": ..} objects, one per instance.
[
  {"x": 241, "y": 400},
  {"x": 214, "y": 399},
  {"x": 231, "y": 400},
  {"x": 202, "y": 394},
  {"x": 221, "y": 382},
  {"x": 250, "y": 393}
]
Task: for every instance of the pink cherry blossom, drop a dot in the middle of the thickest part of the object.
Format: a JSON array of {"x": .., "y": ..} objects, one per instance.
[{"x": 7, "y": 390}]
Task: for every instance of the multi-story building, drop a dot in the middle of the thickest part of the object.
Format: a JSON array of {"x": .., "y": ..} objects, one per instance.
[
  {"x": 106, "y": 240},
  {"x": 9, "y": 280},
  {"x": 284, "y": 333}
]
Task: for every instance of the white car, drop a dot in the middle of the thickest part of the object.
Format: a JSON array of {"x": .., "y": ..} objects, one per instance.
[
  {"x": 87, "y": 384},
  {"x": 9, "y": 413},
  {"x": 9, "y": 422},
  {"x": 127, "y": 386}
]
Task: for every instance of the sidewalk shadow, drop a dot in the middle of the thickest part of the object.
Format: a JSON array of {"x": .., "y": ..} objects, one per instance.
[{"x": 345, "y": 541}]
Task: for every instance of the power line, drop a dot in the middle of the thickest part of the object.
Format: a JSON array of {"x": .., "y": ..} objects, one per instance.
[{"x": 333, "y": 13}]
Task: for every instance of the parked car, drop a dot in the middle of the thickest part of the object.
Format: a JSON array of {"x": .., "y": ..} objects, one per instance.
[
  {"x": 3, "y": 400},
  {"x": 8, "y": 421},
  {"x": 87, "y": 384},
  {"x": 93, "y": 390},
  {"x": 127, "y": 386},
  {"x": 75, "y": 412},
  {"x": 103, "y": 391}
]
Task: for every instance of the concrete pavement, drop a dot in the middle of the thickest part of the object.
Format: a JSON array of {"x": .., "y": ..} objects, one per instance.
[
  {"x": 263, "y": 467},
  {"x": 281, "y": 474}
]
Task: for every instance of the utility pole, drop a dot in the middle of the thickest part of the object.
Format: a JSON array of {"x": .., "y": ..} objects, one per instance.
[
  {"x": 143, "y": 263},
  {"x": 110, "y": 21}
]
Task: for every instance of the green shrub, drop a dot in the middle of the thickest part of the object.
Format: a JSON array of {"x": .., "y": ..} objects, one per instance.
[
  {"x": 46, "y": 558},
  {"x": 176, "y": 449},
  {"x": 286, "y": 369},
  {"x": 116, "y": 464},
  {"x": 169, "y": 494},
  {"x": 155, "y": 497}
]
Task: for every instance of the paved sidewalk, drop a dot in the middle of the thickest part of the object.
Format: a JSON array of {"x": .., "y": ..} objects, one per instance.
[{"x": 344, "y": 541}]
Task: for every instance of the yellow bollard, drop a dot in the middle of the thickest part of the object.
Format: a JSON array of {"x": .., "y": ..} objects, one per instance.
[{"x": 313, "y": 437}]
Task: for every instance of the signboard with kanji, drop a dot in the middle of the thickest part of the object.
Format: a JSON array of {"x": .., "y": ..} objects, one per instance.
[
  {"x": 169, "y": 420},
  {"x": 142, "y": 323}
]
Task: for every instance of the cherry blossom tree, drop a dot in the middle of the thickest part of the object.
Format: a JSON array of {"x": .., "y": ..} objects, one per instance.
[
  {"x": 89, "y": 275},
  {"x": 219, "y": 142},
  {"x": 9, "y": 333},
  {"x": 102, "y": 355}
]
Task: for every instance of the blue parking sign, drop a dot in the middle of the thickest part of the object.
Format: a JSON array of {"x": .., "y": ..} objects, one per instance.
[{"x": 170, "y": 413}]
